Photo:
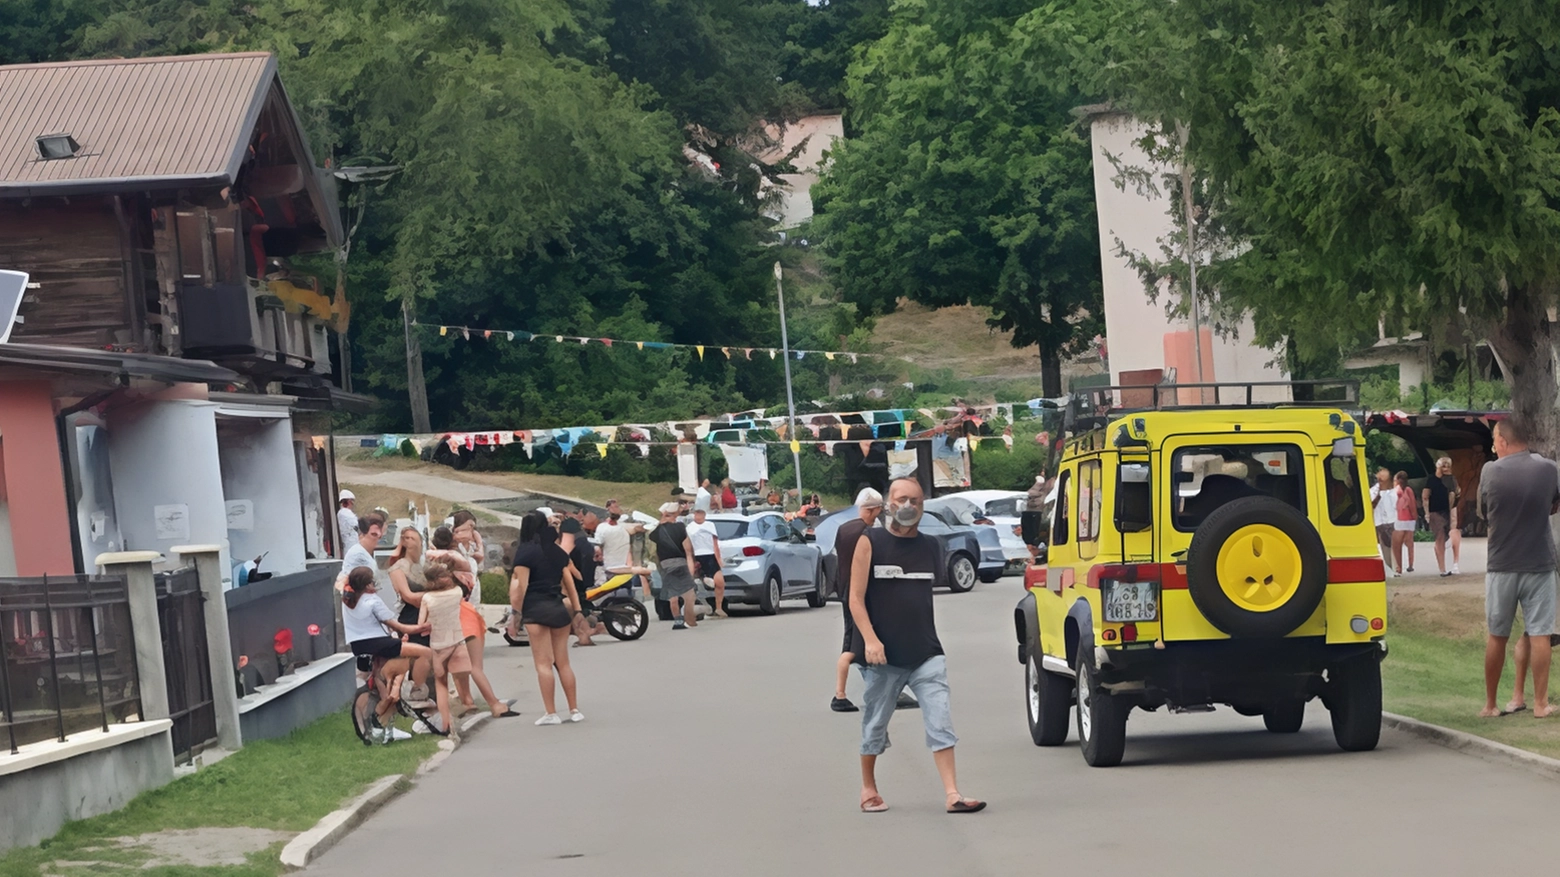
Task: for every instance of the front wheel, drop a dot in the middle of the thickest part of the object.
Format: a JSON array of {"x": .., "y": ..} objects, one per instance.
[
  {"x": 364, "y": 705},
  {"x": 1102, "y": 717},
  {"x": 961, "y": 574},
  {"x": 1355, "y": 703},
  {"x": 626, "y": 621},
  {"x": 1048, "y": 698},
  {"x": 769, "y": 598}
]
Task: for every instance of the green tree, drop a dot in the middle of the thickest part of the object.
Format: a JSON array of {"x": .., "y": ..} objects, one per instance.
[
  {"x": 1397, "y": 162},
  {"x": 969, "y": 181}
]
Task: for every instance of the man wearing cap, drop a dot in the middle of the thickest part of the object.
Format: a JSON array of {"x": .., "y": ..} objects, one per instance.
[
  {"x": 869, "y": 504},
  {"x": 346, "y": 520},
  {"x": 674, "y": 554}
]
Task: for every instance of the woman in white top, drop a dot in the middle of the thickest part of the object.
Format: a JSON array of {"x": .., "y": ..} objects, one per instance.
[{"x": 367, "y": 624}]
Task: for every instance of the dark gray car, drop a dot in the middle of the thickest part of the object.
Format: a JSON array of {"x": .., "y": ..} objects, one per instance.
[{"x": 961, "y": 549}]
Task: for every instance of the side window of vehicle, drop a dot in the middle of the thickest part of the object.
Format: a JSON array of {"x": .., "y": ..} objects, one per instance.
[
  {"x": 1089, "y": 501},
  {"x": 1061, "y": 518},
  {"x": 1345, "y": 496},
  {"x": 1134, "y": 498}
]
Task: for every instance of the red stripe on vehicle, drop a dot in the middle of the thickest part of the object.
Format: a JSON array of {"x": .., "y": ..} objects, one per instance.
[
  {"x": 1034, "y": 577},
  {"x": 1356, "y": 569},
  {"x": 1124, "y": 572}
]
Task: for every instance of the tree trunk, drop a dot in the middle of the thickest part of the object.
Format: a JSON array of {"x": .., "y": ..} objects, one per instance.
[
  {"x": 1524, "y": 341},
  {"x": 1050, "y": 372},
  {"x": 416, "y": 387}
]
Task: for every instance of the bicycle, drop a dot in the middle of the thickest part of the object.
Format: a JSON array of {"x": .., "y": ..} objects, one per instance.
[{"x": 365, "y": 710}]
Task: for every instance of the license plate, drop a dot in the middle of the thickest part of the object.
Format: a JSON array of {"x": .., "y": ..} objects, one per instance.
[{"x": 1131, "y": 601}]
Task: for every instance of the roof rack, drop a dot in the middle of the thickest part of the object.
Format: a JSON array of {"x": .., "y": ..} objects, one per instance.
[{"x": 1091, "y": 407}]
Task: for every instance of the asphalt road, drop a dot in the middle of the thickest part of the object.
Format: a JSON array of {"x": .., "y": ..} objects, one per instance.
[{"x": 713, "y": 752}]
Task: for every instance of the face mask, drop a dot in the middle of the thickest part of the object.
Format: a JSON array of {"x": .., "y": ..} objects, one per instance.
[{"x": 905, "y": 515}]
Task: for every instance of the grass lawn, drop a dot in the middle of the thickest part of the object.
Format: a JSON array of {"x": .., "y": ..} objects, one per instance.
[
  {"x": 284, "y": 785},
  {"x": 1435, "y": 670}
]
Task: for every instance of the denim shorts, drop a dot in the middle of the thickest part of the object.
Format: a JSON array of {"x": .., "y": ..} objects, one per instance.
[{"x": 884, "y": 682}]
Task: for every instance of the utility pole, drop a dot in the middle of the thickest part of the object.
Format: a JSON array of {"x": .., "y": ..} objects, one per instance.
[
  {"x": 790, "y": 401},
  {"x": 416, "y": 387},
  {"x": 1194, "y": 306}
]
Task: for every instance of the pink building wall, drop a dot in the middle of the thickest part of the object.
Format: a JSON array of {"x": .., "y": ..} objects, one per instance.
[{"x": 34, "y": 476}]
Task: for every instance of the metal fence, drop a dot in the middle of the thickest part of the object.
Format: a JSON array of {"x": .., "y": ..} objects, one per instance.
[
  {"x": 68, "y": 658},
  {"x": 182, "y": 619}
]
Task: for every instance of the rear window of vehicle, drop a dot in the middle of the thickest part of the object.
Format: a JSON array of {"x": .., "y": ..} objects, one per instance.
[
  {"x": 1010, "y": 507},
  {"x": 730, "y": 529},
  {"x": 1210, "y": 476}
]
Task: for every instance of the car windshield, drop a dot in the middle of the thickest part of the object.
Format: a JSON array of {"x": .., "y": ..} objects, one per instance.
[
  {"x": 730, "y": 529},
  {"x": 1007, "y": 507}
]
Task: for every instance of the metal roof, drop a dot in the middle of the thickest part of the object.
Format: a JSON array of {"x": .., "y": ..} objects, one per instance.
[
  {"x": 86, "y": 360},
  {"x": 141, "y": 122}
]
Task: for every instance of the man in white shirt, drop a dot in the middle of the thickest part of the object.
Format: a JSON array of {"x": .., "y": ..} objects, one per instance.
[
  {"x": 346, "y": 521},
  {"x": 701, "y": 499},
  {"x": 370, "y": 528},
  {"x": 1383, "y": 498},
  {"x": 706, "y": 553},
  {"x": 616, "y": 537}
]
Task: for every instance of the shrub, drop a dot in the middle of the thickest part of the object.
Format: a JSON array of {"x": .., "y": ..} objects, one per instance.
[{"x": 495, "y": 588}]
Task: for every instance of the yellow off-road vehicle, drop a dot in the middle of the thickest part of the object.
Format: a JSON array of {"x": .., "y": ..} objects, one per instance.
[{"x": 1201, "y": 556}]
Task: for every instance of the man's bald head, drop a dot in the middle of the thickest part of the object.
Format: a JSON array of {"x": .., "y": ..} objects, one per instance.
[{"x": 905, "y": 490}]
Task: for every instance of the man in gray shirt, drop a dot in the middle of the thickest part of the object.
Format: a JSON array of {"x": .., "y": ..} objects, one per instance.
[{"x": 1519, "y": 492}]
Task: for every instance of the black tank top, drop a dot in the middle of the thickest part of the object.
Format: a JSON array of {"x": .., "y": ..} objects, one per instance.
[{"x": 899, "y": 598}]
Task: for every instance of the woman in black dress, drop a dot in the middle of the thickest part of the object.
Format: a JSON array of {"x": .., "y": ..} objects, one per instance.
[{"x": 541, "y": 591}]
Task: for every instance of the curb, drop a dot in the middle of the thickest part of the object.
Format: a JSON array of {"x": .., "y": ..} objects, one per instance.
[
  {"x": 1472, "y": 744},
  {"x": 337, "y": 824}
]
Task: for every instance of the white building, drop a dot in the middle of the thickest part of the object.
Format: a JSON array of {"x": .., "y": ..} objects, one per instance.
[
  {"x": 1143, "y": 343},
  {"x": 815, "y": 135}
]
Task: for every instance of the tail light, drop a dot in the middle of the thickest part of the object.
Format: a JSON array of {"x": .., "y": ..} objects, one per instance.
[{"x": 752, "y": 551}]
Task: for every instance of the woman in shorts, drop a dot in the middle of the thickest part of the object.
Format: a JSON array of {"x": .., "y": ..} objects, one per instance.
[
  {"x": 1407, "y": 521},
  {"x": 542, "y": 592},
  {"x": 368, "y": 624}
]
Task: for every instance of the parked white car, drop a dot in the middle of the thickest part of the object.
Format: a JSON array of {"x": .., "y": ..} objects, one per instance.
[{"x": 999, "y": 509}]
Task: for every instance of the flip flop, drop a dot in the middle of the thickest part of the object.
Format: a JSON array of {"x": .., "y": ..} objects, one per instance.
[
  {"x": 1553, "y": 708},
  {"x": 1512, "y": 708},
  {"x": 506, "y": 714},
  {"x": 873, "y": 804},
  {"x": 965, "y": 805}
]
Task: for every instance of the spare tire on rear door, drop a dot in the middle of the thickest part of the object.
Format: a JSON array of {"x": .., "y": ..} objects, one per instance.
[{"x": 1256, "y": 567}]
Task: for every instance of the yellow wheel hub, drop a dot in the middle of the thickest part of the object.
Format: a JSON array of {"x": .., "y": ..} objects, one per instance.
[{"x": 1259, "y": 568}]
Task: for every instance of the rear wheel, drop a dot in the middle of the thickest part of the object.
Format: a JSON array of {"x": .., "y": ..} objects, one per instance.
[
  {"x": 1355, "y": 703},
  {"x": 961, "y": 573},
  {"x": 769, "y": 598},
  {"x": 1285, "y": 718},
  {"x": 1048, "y": 698},
  {"x": 819, "y": 595},
  {"x": 627, "y": 620},
  {"x": 1102, "y": 717}
]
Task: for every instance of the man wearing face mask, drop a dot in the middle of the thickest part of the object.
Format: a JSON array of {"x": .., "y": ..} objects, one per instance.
[{"x": 891, "y": 579}]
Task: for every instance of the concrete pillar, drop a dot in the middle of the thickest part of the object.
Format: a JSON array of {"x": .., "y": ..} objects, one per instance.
[
  {"x": 136, "y": 567},
  {"x": 219, "y": 649}
]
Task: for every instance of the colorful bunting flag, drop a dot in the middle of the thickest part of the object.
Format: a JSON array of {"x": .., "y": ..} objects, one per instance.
[{"x": 700, "y": 348}]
